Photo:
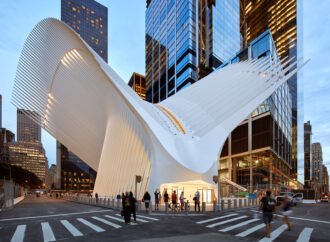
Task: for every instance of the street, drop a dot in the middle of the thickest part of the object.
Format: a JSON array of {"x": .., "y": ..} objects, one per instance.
[{"x": 50, "y": 219}]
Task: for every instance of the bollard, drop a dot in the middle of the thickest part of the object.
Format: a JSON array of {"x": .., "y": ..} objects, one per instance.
[
  {"x": 222, "y": 205},
  {"x": 150, "y": 208},
  {"x": 166, "y": 207},
  {"x": 240, "y": 203},
  {"x": 203, "y": 207},
  {"x": 235, "y": 203},
  {"x": 186, "y": 208},
  {"x": 139, "y": 205},
  {"x": 229, "y": 203}
]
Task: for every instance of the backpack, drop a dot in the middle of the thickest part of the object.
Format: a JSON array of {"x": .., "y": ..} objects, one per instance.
[{"x": 269, "y": 205}]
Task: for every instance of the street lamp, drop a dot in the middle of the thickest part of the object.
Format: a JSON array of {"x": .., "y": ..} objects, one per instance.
[
  {"x": 216, "y": 179},
  {"x": 138, "y": 179}
]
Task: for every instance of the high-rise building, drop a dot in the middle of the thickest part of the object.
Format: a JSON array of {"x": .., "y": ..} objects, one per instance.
[
  {"x": 52, "y": 177},
  {"x": 317, "y": 162},
  {"x": 325, "y": 180},
  {"x": 257, "y": 154},
  {"x": 307, "y": 154},
  {"x": 283, "y": 21},
  {"x": 89, "y": 19},
  {"x": 28, "y": 152},
  {"x": 185, "y": 41},
  {"x": 138, "y": 83},
  {"x": 6, "y": 137}
]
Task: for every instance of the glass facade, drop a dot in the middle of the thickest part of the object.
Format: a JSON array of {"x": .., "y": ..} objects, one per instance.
[
  {"x": 262, "y": 144},
  {"x": 89, "y": 19},
  {"x": 281, "y": 18},
  {"x": 138, "y": 83},
  {"x": 185, "y": 41}
]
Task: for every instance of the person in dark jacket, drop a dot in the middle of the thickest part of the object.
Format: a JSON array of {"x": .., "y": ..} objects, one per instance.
[
  {"x": 132, "y": 206},
  {"x": 127, "y": 208},
  {"x": 146, "y": 200}
]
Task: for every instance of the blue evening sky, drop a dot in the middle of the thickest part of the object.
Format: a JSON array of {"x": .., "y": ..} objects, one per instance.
[{"x": 126, "y": 55}]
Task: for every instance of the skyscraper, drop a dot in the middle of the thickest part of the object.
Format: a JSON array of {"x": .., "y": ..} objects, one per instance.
[
  {"x": 89, "y": 19},
  {"x": 281, "y": 18},
  {"x": 0, "y": 111},
  {"x": 317, "y": 162},
  {"x": 185, "y": 41},
  {"x": 307, "y": 157},
  {"x": 138, "y": 83},
  {"x": 28, "y": 151}
]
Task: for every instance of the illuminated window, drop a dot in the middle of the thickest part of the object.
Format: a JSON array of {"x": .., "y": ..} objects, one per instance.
[{"x": 74, "y": 9}]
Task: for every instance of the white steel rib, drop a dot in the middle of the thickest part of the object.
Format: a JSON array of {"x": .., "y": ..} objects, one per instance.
[{"x": 85, "y": 105}]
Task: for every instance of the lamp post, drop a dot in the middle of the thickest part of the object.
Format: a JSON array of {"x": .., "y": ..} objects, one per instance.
[
  {"x": 216, "y": 180},
  {"x": 138, "y": 179}
]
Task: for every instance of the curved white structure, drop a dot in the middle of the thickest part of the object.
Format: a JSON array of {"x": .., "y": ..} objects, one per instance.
[{"x": 86, "y": 106}]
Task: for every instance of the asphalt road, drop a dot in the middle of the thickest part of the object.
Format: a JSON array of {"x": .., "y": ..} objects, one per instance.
[{"x": 48, "y": 219}]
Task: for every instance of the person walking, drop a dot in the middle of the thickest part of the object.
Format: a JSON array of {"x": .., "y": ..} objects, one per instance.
[
  {"x": 157, "y": 199},
  {"x": 174, "y": 200},
  {"x": 197, "y": 201},
  {"x": 146, "y": 200},
  {"x": 286, "y": 211},
  {"x": 267, "y": 205},
  {"x": 181, "y": 200},
  {"x": 166, "y": 198},
  {"x": 127, "y": 208},
  {"x": 132, "y": 206},
  {"x": 97, "y": 198}
]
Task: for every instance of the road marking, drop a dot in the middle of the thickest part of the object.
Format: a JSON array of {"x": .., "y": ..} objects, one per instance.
[
  {"x": 226, "y": 221},
  {"x": 297, "y": 218},
  {"x": 151, "y": 218},
  {"x": 137, "y": 219},
  {"x": 19, "y": 233},
  {"x": 275, "y": 233},
  {"x": 251, "y": 230},
  {"x": 239, "y": 225},
  {"x": 47, "y": 232},
  {"x": 107, "y": 222},
  {"x": 92, "y": 226},
  {"x": 305, "y": 235},
  {"x": 72, "y": 229},
  {"x": 55, "y": 215},
  {"x": 115, "y": 218},
  {"x": 217, "y": 218}
]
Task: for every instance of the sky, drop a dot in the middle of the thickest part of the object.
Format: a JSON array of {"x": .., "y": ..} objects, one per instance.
[{"x": 126, "y": 47}]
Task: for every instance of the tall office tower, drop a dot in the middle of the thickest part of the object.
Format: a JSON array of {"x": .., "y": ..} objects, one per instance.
[
  {"x": 282, "y": 19},
  {"x": 317, "y": 162},
  {"x": 89, "y": 19},
  {"x": 28, "y": 152},
  {"x": 138, "y": 83},
  {"x": 257, "y": 153},
  {"x": 6, "y": 137},
  {"x": 325, "y": 180},
  {"x": 307, "y": 154},
  {"x": 186, "y": 40}
]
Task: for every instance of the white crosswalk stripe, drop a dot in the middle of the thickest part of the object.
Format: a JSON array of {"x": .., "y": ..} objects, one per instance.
[
  {"x": 305, "y": 235},
  {"x": 89, "y": 224},
  {"x": 107, "y": 222},
  {"x": 115, "y": 218},
  {"x": 251, "y": 230},
  {"x": 151, "y": 218},
  {"x": 137, "y": 219},
  {"x": 238, "y": 225},
  {"x": 217, "y": 218},
  {"x": 277, "y": 232},
  {"x": 72, "y": 229},
  {"x": 47, "y": 232},
  {"x": 19, "y": 233},
  {"x": 226, "y": 221}
]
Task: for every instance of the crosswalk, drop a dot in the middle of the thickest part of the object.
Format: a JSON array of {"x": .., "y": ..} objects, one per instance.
[
  {"x": 75, "y": 227},
  {"x": 242, "y": 226}
]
